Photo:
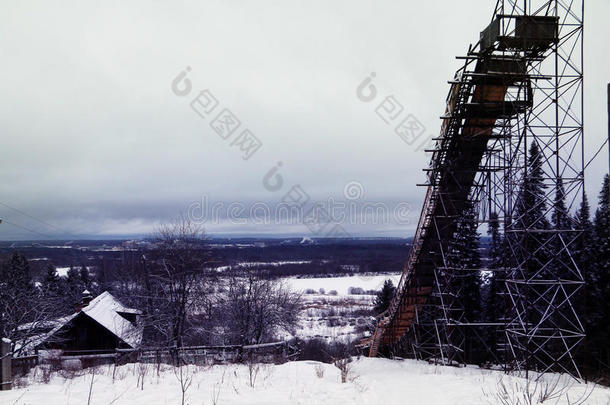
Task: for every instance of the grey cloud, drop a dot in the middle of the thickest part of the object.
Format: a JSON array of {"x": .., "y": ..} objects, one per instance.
[{"x": 94, "y": 141}]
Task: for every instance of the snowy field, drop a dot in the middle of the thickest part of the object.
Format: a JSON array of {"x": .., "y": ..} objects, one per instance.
[
  {"x": 342, "y": 316},
  {"x": 334, "y": 317},
  {"x": 370, "y": 381},
  {"x": 342, "y": 284},
  {"x": 63, "y": 271}
]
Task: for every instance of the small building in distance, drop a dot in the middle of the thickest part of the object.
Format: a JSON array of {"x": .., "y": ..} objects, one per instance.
[{"x": 102, "y": 324}]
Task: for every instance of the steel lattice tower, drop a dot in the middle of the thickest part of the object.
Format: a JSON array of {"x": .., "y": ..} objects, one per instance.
[
  {"x": 521, "y": 84},
  {"x": 543, "y": 279}
]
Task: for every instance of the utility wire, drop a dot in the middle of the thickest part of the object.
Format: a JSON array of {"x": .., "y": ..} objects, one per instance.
[
  {"x": 26, "y": 229},
  {"x": 596, "y": 153},
  {"x": 35, "y": 219}
]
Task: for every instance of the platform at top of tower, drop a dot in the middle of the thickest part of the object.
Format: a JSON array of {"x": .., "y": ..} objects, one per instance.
[{"x": 533, "y": 33}]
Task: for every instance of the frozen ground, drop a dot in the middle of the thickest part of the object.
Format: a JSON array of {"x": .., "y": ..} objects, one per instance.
[{"x": 370, "y": 381}]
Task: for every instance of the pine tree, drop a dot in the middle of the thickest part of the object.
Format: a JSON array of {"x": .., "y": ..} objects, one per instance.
[
  {"x": 583, "y": 218},
  {"x": 51, "y": 280},
  {"x": 494, "y": 299},
  {"x": 75, "y": 287},
  {"x": 55, "y": 294},
  {"x": 384, "y": 296},
  {"x": 51, "y": 275},
  {"x": 561, "y": 216},
  {"x": 85, "y": 277},
  {"x": 602, "y": 233},
  {"x": 73, "y": 275},
  {"x": 17, "y": 271},
  {"x": 582, "y": 255},
  {"x": 469, "y": 263},
  {"x": 598, "y": 281},
  {"x": 562, "y": 263},
  {"x": 18, "y": 296},
  {"x": 465, "y": 281},
  {"x": 583, "y": 250},
  {"x": 531, "y": 216}
]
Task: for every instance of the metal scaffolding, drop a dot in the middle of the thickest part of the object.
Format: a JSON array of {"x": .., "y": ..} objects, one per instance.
[{"x": 522, "y": 83}]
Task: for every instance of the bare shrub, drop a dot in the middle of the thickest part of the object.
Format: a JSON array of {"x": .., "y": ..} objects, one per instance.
[
  {"x": 355, "y": 291},
  {"x": 118, "y": 373},
  {"x": 535, "y": 392},
  {"x": 217, "y": 388},
  {"x": 71, "y": 368},
  {"x": 319, "y": 369},
  {"x": 314, "y": 349},
  {"x": 253, "y": 370},
  {"x": 142, "y": 370},
  {"x": 185, "y": 378},
  {"x": 53, "y": 359},
  {"x": 344, "y": 366},
  {"x": 45, "y": 373},
  {"x": 340, "y": 353},
  {"x": 20, "y": 382},
  {"x": 72, "y": 365},
  {"x": 371, "y": 292}
]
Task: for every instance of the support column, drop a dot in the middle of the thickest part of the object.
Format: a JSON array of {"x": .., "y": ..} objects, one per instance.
[{"x": 6, "y": 355}]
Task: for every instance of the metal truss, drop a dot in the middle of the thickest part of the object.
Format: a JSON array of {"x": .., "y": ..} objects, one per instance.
[
  {"x": 522, "y": 83},
  {"x": 542, "y": 276}
]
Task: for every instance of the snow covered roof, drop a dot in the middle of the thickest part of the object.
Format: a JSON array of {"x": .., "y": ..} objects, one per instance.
[
  {"x": 44, "y": 324},
  {"x": 104, "y": 309},
  {"x": 36, "y": 340}
]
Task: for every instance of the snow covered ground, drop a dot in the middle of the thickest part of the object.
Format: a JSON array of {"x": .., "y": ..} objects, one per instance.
[
  {"x": 335, "y": 313},
  {"x": 370, "y": 381},
  {"x": 342, "y": 284},
  {"x": 63, "y": 271},
  {"x": 256, "y": 265},
  {"x": 334, "y": 317}
]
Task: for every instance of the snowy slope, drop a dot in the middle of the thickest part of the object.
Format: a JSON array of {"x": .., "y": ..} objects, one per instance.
[{"x": 370, "y": 381}]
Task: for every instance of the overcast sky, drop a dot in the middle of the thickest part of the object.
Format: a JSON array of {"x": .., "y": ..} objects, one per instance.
[{"x": 96, "y": 143}]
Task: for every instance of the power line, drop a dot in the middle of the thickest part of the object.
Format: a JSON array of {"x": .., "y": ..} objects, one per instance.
[
  {"x": 35, "y": 219},
  {"x": 596, "y": 153},
  {"x": 26, "y": 229}
]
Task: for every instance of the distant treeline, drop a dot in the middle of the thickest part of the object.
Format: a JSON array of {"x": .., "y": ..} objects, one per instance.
[{"x": 324, "y": 257}]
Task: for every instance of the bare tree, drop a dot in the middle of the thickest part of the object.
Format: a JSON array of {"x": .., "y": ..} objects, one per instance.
[
  {"x": 166, "y": 279},
  {"x": 255, "y": 309},
  {"x": 174, "y": 271}
]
